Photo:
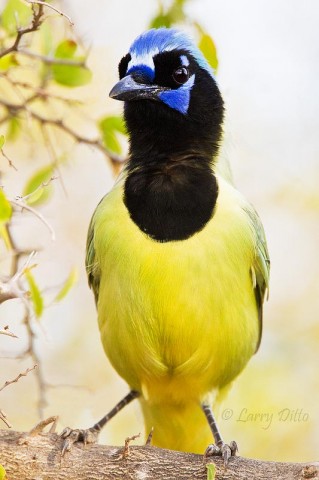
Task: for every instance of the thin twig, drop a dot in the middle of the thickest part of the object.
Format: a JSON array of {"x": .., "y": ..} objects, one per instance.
[
  {"x": 3, "y": 417},
  {"x": 53, "y": 156},
  {"x": 41, "y": 426},
  {"x": 19, "y": 203},
  {"x": 150, "y": 437},
  {"x": 15, "y": 252},
  {"x": 116, "y": 160},
  {"x": 38, "y": 92},
  {"x": 23, "y": 374},
  {"x": 18, "y": 274},
  {"x": 42, "y": 185},
  {"x": 128, "y": 440},
  {"x": 38, "y": 2},
  {"x": 6, "y": 331},
  {"x": 33, "y": 27},
  {"x": 42, "y": 402},
  {"x": 9, "y": 161},
  {"x": 51, "y": 60}
]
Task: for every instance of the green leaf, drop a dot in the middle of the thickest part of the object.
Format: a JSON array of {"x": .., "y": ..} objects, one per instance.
[
  {"x": 46, "y": 38},
  {"x": 34, "y": 187},
  {"x": 66, "y": 49},
  {"x": 15, "y": 14},
  {"x": 8, "y": 61},
  {"x": 70, "y": 75},
  {"x": 207, "y": 46},
  {"x": 2, "y": 473},
  {"x": 2, "y": 140},
  {"x": 68, "y": 284},
  {"x": 14, "y": 128},
  {"x": 5, "y": 236},
  {"x": 211, "y": 471},
  {"x": 5, "y": 216},
  {"x": 5, "y": 208},
  {"x": 35, "y": 293},
  {"x": 161, "y": 20},
  {"x": 110, "y": 128},
  {"x": 174, "y": 14}
]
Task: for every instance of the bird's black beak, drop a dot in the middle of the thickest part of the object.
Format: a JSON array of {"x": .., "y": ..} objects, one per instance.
[{"x": 130, "y": 89}]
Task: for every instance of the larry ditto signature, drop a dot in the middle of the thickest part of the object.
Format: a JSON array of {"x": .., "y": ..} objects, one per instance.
[{"x": 265, "y": 419}]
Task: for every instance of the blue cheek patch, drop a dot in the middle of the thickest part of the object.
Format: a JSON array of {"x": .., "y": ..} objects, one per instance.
[
  {"x": 145, "y": 70},
  {"x": 180, "y": 97}
]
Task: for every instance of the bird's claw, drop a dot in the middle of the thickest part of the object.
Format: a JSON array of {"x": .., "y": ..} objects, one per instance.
[
  {"x": 72, "y": 436},
  {"x": 223, "y": 450}
]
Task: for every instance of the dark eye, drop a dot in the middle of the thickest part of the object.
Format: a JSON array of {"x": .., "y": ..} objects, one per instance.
[{"x": 181, "y": 75}]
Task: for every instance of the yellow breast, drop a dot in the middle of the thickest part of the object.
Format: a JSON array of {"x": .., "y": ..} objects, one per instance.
[{"x": 177, "y": 315}]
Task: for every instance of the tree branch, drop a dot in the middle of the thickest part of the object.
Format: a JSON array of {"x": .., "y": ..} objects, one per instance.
[
  {"x": 17, "y": 378},
  {"x": 5, "y": 331},
  {"x": 33, "y": 27},
  {"x": 38, "y": 456},
  {"x": 38, "y": 2},
  {"x": 51, "y": 60},
  {"x": 19, "y": 202},
  {"x": 15, "y": 108}
]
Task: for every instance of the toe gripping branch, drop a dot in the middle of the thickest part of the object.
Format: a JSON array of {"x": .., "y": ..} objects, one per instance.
[
  {"x": 220, "y": 448},
  {"x": 90, "y": 435}
]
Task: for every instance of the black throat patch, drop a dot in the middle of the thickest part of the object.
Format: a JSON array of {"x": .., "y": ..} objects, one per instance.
[
  {"x": 170, "y": 189},
  {"x": 171, "y": 201}
]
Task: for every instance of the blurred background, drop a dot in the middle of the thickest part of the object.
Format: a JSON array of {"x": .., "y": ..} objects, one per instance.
[{"x": 268, "y": 70}]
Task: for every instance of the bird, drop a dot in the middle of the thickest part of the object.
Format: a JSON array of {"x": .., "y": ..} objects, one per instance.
[{"x": 176, "y": 256}]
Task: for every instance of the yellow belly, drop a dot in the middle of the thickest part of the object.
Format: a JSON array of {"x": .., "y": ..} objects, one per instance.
[{"x": 177, "y": 319}]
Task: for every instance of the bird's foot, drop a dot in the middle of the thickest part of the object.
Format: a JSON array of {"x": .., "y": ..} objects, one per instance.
[
  {"x": 72, "y": 436},
  {"x": 223, "y": 450}
]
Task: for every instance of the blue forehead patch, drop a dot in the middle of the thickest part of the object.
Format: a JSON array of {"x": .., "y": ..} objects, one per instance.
[
  {"x": 160, "y": 40},
  {"x": 145, "y": 70}
]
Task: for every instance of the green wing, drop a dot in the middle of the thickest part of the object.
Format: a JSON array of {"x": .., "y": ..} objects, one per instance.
[
  {"x": 261, "y": 265},
  {"x": 91, "y": 265}
]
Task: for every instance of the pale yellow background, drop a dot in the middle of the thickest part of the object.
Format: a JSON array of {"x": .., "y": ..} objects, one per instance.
[{"x": 268, "y": 73}]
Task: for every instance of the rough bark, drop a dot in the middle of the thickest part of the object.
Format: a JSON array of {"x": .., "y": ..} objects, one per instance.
[{"x": 38, "y": 457}]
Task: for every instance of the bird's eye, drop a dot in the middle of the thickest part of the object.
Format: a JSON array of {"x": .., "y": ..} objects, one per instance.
[{"x": 181, "y": 75}]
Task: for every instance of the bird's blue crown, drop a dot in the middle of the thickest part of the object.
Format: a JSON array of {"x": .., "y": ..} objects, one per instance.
[
  {"x": 159, "y": 40},
  {"x": 155, "y": 41}
]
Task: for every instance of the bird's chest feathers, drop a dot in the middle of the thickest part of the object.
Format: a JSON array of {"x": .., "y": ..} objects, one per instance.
[
  {"x": 171, "y": 200},
  {"x": 160, "y": 302}
]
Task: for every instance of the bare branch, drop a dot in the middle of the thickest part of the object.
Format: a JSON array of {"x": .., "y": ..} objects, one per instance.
[
  {"x": 15, "y": 251},
  {"x": 42, "y": 459},
  {"x": 11, "y": 287},
  {"x": 6, "y": 331},
  {"x": 38, "y": 2},
  {"x": 13, "y": 108},
  {"x": 42, "y": 185},
  {"x": 15, "y": 380},
  {"x": 115, "y": 160},
  {"x": 38, "y": 92},
  {"x": 18, "y": 274},
  {"x": 20, "y": 203},
  {"x": 3, "y": 417},
  {"x": 42, "y": 402},
  {"x": 44, "y": 423},
  {"x": 51, "y": 60},
  {"x": 33, "y": 27},
  {"x": 8, "y": 159},
  {"x": 7, "y": 292},
  {"x": 128, "y": 440}
]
